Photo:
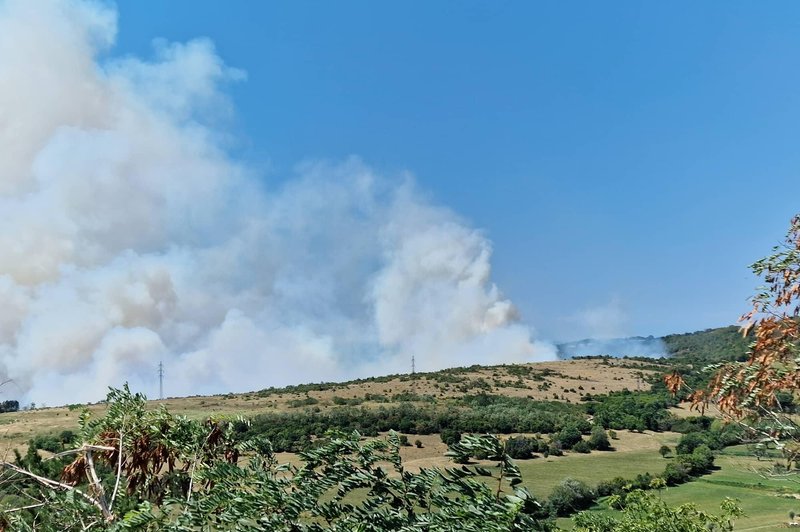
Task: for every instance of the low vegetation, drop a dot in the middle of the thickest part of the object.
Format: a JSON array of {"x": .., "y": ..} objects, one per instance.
[{"x": 141, "y": 469}]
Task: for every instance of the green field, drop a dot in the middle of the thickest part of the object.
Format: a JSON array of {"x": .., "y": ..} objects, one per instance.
[
  {"x": 766, "y": 502},
  {"x": 541, "y": 475}
]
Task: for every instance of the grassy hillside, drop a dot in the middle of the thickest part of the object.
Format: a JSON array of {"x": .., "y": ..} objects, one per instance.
[
  {"x": 708, "y": 347},
  {"x": 569, "y": 381},
  {"x": 561, "y": 381}
]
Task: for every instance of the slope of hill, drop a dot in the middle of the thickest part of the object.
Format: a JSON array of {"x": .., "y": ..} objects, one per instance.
[
  {"x": 709, "y": 346},
  {"x": 562, "y": 381}
]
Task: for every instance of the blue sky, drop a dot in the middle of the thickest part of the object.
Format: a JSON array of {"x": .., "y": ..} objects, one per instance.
[{"x": 627, "y": 160}]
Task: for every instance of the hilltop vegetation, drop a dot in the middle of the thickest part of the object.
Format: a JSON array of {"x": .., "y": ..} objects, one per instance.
[
  {"x": 700, "y": 348},
  {"x": 710, "y": 346}
]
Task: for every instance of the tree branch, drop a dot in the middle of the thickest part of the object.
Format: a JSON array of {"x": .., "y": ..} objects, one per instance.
[
  {"x": 51, "y": 483},
  {"x": 119, "y": 473},
  {"x": 95, "y": 481}
]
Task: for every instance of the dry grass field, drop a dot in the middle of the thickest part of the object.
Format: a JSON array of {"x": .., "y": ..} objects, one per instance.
[{"x": 566, "y": 380}]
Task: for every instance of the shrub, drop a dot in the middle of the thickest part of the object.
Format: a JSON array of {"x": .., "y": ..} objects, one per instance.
[
  {"x": 568, "y": 436},
  {"x": 450, "y": 436},
  {"x": 700, "y": 461},
  {"x": 554, "y": 449},
  {"x": 615, "y": 486},
  {"x": 599, "y": 439},
  {"x": 570, "y": 496},
  {"x": 582, "y": 447},
  {"x": 675, "y": 473},
  {"x": 521, "y": 447},
  {"x": 646, "y": 511},
  {"x": 67, "y": 437},
  {"x": 689, "y": 442}
]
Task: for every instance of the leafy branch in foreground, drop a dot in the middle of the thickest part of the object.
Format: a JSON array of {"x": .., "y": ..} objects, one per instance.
[
  {"x": 644, "y": 511},
  {"x": 760, "y": 393}
]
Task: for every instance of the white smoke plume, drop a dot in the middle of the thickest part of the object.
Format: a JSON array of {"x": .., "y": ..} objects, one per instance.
[
  {"x": 129, "y": 236},
  {"x": 607, "y": 326}
]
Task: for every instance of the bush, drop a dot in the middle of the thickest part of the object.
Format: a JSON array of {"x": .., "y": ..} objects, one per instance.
[
  {"x": 521, "y": 448},
  {"x": 642, "y": 481},
  {"x": 615, "y": 486},
  {"x": 599, "y": 439},
  {"x": 691, "y": 424},
  {"x": 700, "y": 461},
  {"x": 450, "y": 436},
  {"x": 568, "y": 436},
  {"x": 52, "y": 444},
  {"x": 689, "y": 442},
  {"x": 582, "y": 447},
  {"x": 675, "y": 473},
  {"x": 554, "y": 449},
  {"x": 67, "y": 437},
  {"x": 646, "y": 511},
  {"x": 571, "y": 496}
]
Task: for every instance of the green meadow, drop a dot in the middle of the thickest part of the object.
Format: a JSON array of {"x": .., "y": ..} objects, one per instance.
[{"x": 766, "y": 502}]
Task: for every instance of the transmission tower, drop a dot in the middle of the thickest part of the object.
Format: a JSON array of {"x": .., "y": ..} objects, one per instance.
[{"x": 160, "y": 381}]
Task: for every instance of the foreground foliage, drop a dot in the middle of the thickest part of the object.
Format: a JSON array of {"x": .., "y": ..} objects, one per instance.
[
  {"x": 760, "y": 392},
  {"x": 644, "y": 511},
  {"x": 140, "y": 469}
]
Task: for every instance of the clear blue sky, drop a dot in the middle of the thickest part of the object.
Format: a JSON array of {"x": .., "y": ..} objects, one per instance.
[{"x": 637, "y": 155}]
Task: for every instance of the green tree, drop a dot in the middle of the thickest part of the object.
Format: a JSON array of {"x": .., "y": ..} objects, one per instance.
[
  {"x": 599, "y": 439},
  {"x": 568, "y": 436},
  {"x": 570, "y": 496}
]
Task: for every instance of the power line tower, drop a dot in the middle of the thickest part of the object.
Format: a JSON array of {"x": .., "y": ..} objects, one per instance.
[{"x": 160, "y": 381}]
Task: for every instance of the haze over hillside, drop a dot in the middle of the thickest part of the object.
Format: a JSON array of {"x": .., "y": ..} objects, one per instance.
[
  {"x": 706, "y": 346},
  {"x": 615, "y": 347}
]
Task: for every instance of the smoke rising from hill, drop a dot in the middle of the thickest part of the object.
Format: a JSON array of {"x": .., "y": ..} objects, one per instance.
[
  {"x": 128, "y": 235},
  {"x": 635, "y": 346}
]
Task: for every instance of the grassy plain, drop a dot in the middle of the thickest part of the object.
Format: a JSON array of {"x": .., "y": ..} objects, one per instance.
[
  {"x": 766, "y": 502},
  {"x": 635, "y": 453}
]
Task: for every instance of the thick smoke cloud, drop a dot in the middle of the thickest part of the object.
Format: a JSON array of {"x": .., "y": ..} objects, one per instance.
[
  {"x": 129, "y": 236},
  {"x": 607, "y": 325}
]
